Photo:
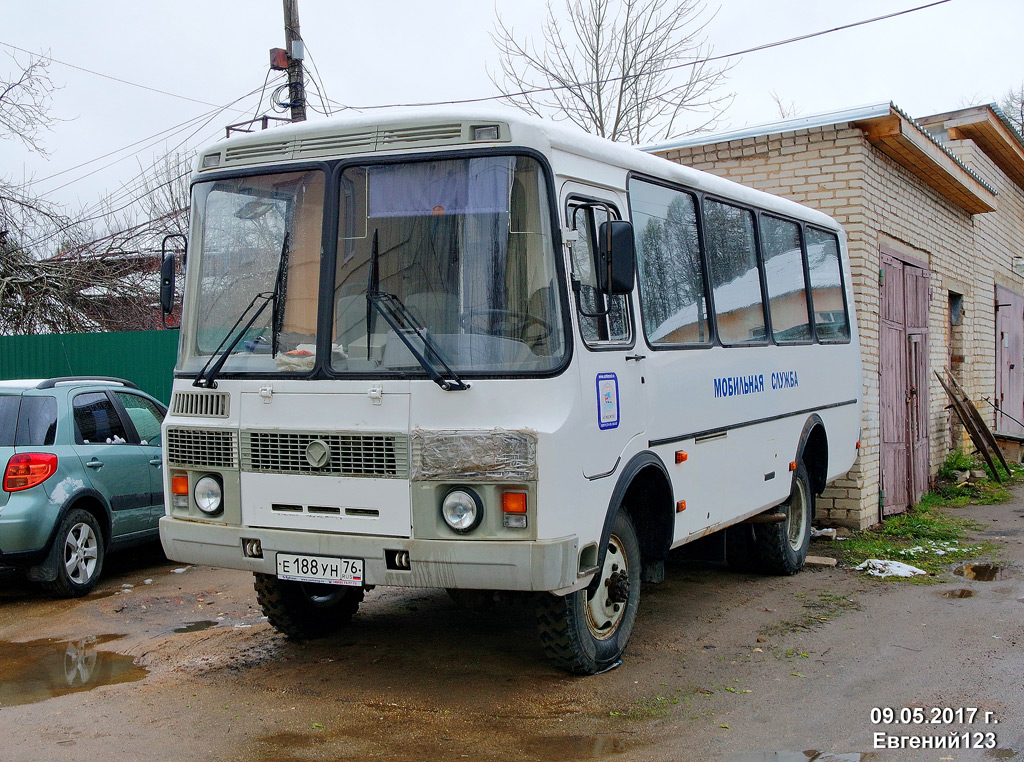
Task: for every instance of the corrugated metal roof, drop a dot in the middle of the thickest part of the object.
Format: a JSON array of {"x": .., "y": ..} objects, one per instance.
[
  {"x": 1007, "y": 123},
  {"x": 825, "y": 119}
]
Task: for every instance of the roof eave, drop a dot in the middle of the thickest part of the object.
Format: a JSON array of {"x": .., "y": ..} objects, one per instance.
[
  {"x": 899, "y": 138},
  {"x": 989, "y": 130}
]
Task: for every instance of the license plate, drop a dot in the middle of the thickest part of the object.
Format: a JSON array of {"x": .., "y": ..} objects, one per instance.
[{"x": 322, "y": 569}]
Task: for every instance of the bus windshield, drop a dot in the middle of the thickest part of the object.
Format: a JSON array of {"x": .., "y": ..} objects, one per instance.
[
  {"x": 257, "y": 244},
  {"x": 462, "y": 248}
]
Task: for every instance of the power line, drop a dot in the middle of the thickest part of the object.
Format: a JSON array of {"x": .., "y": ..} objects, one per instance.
[
  {"x": 108, "y": 76},
  {"x": 688, "y": 64},
  {"x": 151, "y": 141},
  {"x": 139, "y": 184}
]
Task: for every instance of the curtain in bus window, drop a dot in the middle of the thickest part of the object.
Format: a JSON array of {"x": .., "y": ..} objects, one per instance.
[
  {"x": 671, "y": 272},
  {"x": 784, "y": 275},
  {"x": 830, "y": 321},
  {"x": 441, "y": 187},
  {"x": 464, "y": 246},
  {"x": 735, "y": 282}
]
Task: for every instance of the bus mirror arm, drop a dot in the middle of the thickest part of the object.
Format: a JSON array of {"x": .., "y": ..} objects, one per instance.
[{"x": 577, "y": 288}]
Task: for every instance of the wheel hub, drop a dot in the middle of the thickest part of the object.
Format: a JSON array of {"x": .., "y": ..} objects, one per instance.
[{"x": 618, "y": 586}]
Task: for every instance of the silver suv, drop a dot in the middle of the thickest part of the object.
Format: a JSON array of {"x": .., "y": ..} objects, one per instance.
[{"x": 82, "y": 476}]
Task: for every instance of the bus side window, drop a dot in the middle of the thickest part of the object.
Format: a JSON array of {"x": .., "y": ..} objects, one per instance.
[
  {"x": 830, "y": 320},
  {"x": 614, "y": 327},
  {"x": 670, "y": 267},
  {"x": 784, "y": 274},
  {"x": 735, "y": 283}
]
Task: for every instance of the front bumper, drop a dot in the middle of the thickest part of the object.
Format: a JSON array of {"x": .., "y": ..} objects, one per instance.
[{"x": 544, "y": 565}]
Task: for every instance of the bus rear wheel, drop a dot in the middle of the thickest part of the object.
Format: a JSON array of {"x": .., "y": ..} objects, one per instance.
[
  {"x": 586, "y": 632},
  {"x": 782, "y": 546},
  {"x": 304, "y": 610}
]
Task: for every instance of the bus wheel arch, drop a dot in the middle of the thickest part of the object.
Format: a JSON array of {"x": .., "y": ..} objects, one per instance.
[
  {"x": 813, "y": 453},
  {"x": 644, "y": 491},
  {"x": 586, "y": 631}
]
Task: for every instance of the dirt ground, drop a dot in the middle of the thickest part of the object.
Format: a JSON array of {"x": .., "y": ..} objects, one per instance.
[{"x": 165, "y": 662}]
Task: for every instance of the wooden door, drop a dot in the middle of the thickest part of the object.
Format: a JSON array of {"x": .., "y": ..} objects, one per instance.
[
  {"x": 1009, "y": 362},
  {"x": 903, "y": 384}
]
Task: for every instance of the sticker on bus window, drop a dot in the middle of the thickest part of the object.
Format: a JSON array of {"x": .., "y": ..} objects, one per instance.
[{"x": 607, "y": 401}]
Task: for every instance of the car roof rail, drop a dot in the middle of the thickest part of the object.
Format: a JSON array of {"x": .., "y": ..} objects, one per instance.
[{"x": 50, "y": 383}]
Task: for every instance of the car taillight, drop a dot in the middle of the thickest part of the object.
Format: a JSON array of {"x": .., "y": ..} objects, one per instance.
[{"x": 27, "y": 469}]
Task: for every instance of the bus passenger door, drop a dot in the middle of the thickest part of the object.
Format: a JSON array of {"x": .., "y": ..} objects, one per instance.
[{"x": 611, "y": 368}]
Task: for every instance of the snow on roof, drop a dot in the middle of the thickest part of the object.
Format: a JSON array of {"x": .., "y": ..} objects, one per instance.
[{"x": 825, "y": 119}]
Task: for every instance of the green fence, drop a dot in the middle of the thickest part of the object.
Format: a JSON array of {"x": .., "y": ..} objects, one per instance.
[{"x": 143, "y": 357}]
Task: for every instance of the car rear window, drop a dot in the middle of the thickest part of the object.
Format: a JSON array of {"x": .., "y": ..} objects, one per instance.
[
  {"x": 8, "y": 419},
  {"x": 37, "y": 424},
  {"x": 28, "y": 421}
]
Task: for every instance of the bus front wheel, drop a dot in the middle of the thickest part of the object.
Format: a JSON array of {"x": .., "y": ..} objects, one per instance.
[
  {"x": 782, "y": 546},
  {"x": 586, "y": 632},
  {"x": 303, "y": 610}
]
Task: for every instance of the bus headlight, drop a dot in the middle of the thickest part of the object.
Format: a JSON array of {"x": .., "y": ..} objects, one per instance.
[
  {"x": 462, "y": 510},
  {"x": 209, "y": 495}
]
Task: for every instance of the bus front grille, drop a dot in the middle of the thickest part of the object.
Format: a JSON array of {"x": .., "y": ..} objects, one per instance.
[
  {"x": 328, "y": 454},
  {"x": 201, "y": 404},
  {"x": 211, "y": 448}
]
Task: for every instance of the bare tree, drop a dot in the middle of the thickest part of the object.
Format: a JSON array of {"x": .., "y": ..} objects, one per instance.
[
  {"x": 1012, "y": 106},
  {"x": 785, "y": 110},
  {"x": 628, "y": 70},
  {"x": 25, "y": 97},
  {"x": 90, "y": 283}
]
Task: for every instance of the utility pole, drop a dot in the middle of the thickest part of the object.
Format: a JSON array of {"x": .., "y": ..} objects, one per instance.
[{"x": 296, "y": 52}]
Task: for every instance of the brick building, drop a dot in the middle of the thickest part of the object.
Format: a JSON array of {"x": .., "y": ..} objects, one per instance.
[{"x": 934, "y": 214}]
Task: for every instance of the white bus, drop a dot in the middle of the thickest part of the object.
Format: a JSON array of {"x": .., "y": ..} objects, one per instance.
[{"x": 471, "y": 350}]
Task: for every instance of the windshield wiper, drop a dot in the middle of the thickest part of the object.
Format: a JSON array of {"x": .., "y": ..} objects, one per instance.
[
  {"x": 403, "y": 323},
  {"x": 207, "y": 377}
]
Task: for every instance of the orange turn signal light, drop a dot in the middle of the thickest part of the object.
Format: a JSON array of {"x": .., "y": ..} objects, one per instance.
[
  {"x": 680, "y": 506},
  {"x": 792, "y": 466},
  {"x": 681, "y": 456},
  {"x": 179, "y": 485},
  {"x": 513, "y": 502}
]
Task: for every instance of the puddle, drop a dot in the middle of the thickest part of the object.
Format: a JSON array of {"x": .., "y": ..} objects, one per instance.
[
  {"x": 961, "y": 592},
  {"x": 583, "y": 747},
  {"x": 37, "y": 670},
  {"x": 205, "y": 624},
  {"x": 980, "y": 572}
]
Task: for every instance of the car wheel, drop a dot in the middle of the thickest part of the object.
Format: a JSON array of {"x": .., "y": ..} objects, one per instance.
[
  {"x": 77, "y": 554},
  {"x": 586, "y": 632},
  {"x": 305, "y": 610},
  {"x": 782, "y": 546}
]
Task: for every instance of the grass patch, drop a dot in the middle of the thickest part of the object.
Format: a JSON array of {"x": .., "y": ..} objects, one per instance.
[
  {"x": 927, "y": 535},
  {"x": 651, "y": 708},
  {"x": 924, "y": 536},
  {"x": 816, "y": 613}
]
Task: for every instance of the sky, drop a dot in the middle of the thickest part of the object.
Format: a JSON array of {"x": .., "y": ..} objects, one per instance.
[{"x": 205, "y": 55}]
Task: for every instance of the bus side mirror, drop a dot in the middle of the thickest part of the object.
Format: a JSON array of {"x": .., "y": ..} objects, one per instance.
[
  {"x": 616, "y": 258},
  {"x": 167, "y": 271}
]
